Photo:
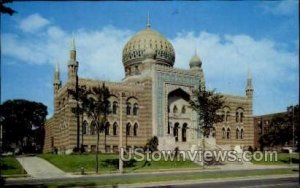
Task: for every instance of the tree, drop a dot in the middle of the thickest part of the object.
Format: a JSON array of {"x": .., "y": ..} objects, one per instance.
[
  {"x": 293, "y": 117},
  {"x": 283, "y": 129},
  {"x": 6, "y": 10},
  {"x": 23, "y": 124},
  {"x": 95, "y": 104},
  {"x": 81, "y": 95},
  {"x": 152, "y": 144},
  {"x": 206, "y": 104}
]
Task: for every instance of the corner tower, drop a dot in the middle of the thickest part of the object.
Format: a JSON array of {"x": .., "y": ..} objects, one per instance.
[
  {"x": 249, "y": 86},
  {"x": 73, "y": 63},
  {"x": 56, "y": 81}
]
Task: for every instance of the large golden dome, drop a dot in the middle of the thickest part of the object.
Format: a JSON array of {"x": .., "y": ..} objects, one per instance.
[{"x": 134, "y": 49}]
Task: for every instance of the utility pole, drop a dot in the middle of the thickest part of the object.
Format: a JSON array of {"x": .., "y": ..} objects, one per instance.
[
  {"x": 293, "y": 128},
  {"x": 121, "y": 134}
]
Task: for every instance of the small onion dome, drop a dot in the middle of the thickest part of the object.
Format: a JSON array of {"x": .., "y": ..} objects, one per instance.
[
  {"x": 149, "y": 53},
  {"x": 195, "y": 62}
]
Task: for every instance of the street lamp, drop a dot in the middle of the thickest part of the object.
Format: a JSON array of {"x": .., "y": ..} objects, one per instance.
[{"x": 121, "y": 94}]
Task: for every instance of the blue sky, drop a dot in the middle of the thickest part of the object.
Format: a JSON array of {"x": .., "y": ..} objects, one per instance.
[{"x": 231, "y": 38}]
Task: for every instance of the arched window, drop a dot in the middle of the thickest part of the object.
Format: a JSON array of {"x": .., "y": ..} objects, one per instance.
[
  {"x": 128, "y": 129},
  {"x": 93, "y": 128},
  {"x": 84, "y": 126},
  {"x": 239, "y": 115},
  {"x": 223, "y": 116},
  {"x": 242, "y": 133},
  {"x": 109, "y": 107},
  {"x": 129, "y": 71},
  {"x": 242, "y": 116},
  {"x": 213, "y": 132},
  {"x": 175, "y": 110},
  {"x": 106, "y": 128},
  {"x": 115, "y": 107},
  {"x": 183, "y": 110},
  {"x": 115, "y": 127},
  {"x": 237, "y": 133},
  {"x": 228, "y": 133},
  {"x": 135, "y": 109},
  {"x": 128, "y": 108},
  {"x": 136, "y": 69},
  {"x": 183, "y": 132},
  {"x": 227, "y": 116},
  {"x": 224, "y": 133},
  {"x": 135, "y": 127},
  {"x": 175, "y": 131},
  {"x": 169, "y": 127}
]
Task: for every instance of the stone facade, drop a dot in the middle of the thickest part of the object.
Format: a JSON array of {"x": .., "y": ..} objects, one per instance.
[{"x": 154, "y": 100}]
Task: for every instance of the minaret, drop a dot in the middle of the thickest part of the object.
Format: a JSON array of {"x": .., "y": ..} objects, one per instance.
[
  {"x": 196, "y": 66},
  {"x": 56, "y": 82},
  {"x": 249, "y": 87},
  {"x": 195, "y": 62},
  {"x": 73, "y": 64}
]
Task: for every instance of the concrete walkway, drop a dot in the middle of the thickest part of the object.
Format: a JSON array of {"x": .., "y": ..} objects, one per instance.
[{"x": 40, "y": 168}]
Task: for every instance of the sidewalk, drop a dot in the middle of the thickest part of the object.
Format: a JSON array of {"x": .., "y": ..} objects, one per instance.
[
  {"x": 40, "y": 168},
  {"x": 186, "y": 183},
  {"x": 249, "y": 166}
]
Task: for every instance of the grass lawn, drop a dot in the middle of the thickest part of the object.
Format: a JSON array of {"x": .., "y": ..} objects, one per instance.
[
  {"x": 282, "y": 158},
  {"x": 10, "y": 166},
  {"x": 109, "y": 163}
]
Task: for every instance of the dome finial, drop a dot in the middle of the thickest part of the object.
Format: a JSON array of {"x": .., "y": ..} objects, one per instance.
[
  {"x": 72, "y": 45},
  {"x": 148, "y": 21},
  {"x": 249, "y": 76},
  {"x": 57, "y": 67}
]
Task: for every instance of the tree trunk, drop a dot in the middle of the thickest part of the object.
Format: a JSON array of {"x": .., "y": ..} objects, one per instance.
[
  {"x": 105, "y": 141},
  {"x": 82, "y": 134},
  {"x": 203, "y": 143}
]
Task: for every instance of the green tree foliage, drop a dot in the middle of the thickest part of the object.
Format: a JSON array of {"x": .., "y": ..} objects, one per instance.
[
  {"x": 6, "y": 10},
  {"x": 293, "y": 116},
  {"x": 81, "y": 94},
  {"x": 152, "y": 144},
  {"x": 280, "y": 131},
  {"x": 95, "y": 104},
  {"x": 207, "y": 103},
  {"x": 23, "y": 124}
]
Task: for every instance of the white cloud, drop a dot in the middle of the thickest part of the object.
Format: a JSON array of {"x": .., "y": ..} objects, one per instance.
[
  {"x": 33, "y": 23},
  {"x": 283, "y": 7},
  {"x": 99, "y": 52},
  {"x": 226, "y": 59},
  {"x": 104, "y": 49}
]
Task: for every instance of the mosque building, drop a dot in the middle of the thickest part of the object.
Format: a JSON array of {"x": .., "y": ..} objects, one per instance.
[{"x": 152, "y": 100}]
